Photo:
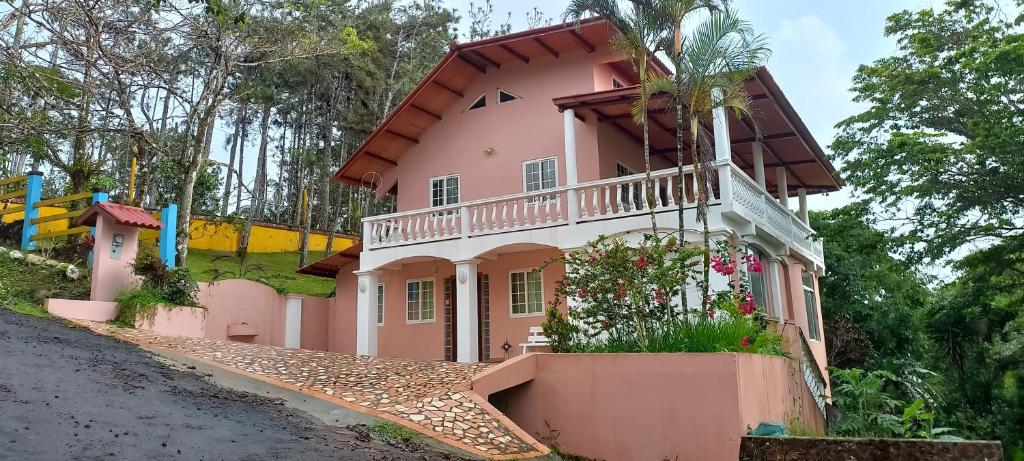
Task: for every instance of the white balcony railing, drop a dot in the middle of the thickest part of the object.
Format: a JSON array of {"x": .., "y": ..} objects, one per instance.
[{"x": 591, "y": 201}]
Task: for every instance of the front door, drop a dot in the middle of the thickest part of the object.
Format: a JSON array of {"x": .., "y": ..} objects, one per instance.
[
  {"x": 293, "y": 323},
  {"x": 450, "y": 326}
]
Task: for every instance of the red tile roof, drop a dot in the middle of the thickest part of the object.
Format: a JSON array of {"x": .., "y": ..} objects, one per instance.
[{"x": 122, "y": 214}]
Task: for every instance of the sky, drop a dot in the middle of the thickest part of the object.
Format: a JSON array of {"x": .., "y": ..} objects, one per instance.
[{"x": 816, "y": 48}]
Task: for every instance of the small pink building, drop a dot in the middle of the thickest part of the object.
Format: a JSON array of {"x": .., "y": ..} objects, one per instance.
[{"x": 518, "y": 148}]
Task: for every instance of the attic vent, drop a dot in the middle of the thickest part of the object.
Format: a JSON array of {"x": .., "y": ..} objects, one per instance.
[
  {"x": 480, "y": 102},
  {"x": 505, "y": 96}
]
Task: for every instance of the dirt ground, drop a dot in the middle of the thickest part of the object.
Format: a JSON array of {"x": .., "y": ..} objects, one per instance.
[{"x": 66, "y": 393}]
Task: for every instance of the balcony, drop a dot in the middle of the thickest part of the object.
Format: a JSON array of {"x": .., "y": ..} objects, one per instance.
[{"x": 573, "y": 214}]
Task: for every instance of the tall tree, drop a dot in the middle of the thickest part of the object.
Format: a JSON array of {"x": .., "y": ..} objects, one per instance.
[{"x": 938, "y": 147}]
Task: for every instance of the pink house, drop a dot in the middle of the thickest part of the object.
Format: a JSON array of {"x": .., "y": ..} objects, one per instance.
[{"x": 518, "y": 148}]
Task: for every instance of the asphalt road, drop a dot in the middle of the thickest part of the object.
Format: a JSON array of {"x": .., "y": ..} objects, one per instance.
[{"x": 67, "y": 393}]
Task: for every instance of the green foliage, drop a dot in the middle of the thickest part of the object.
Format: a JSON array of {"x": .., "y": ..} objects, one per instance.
[
  {"x": 867, "y": 407},
  {"x": 393, "y": 433},
  {"x": 872, "y": 303},
  {"x": 626, "y": 303},
  {"x": 174, "y": 287},
  {"x": 23, "y": 286},
  {"x": 938, "y": 147},
  {"x": 138, "y": 304}
]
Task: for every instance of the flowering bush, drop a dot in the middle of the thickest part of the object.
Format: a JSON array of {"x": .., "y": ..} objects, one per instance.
[{"x": 629, "y": 299}]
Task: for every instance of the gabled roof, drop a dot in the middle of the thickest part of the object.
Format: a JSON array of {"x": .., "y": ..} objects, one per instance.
[
  {"x": 121, "y": 214},
  {"x": 785, "y": 139},
  {"x": 447, "y": 82}
]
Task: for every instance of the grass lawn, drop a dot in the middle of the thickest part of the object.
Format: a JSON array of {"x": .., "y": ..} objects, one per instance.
[
  {"x": 23, "y": 286},
  {"x": 274, "y": 269}
]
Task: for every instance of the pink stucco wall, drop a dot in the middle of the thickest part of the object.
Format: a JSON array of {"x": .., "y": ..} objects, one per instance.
[
  {"x": 117, "y": 274},
  {"x": 797, "y": 311},
  {"x": 96, "y": 311},
  {"x": 177, "y": 321},
  {"x": 647, "y": 406},
  {"x": 341, "y": 318},
  {"x": 530, "y": 128},
  {"x": 314, "y": 322},
  {"x": 236, "y": 301}
]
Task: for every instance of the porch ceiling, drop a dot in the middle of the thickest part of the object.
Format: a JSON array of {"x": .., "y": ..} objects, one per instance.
[
  {"x": 329, "y": 266},
  {"x": 785, "y": 139}
]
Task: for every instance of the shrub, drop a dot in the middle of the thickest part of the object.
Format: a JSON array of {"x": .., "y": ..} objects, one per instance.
[
  {"x": 629, "y": 301},
  {"x": 160, "y": 286}
]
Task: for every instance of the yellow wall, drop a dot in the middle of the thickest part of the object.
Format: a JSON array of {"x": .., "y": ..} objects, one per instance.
[
  {"x": 217, "y": 236},
  {"x": 45, "y": 211}
]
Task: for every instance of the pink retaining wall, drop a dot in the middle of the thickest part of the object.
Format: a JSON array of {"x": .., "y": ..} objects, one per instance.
[
  {"x": 238, "y": 301},
  {"x": 177, "y": 321},
  {"x": 314, "y": 322},
  {"x": 96, "y": 311},
  {"x": 648, "y": 406},
  {"x": 341, "y": 318}
]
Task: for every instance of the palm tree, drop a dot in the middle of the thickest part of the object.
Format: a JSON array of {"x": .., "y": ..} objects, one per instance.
[
  {"x": 637, "y": 32},
  {"x": 713, "y": 64}
]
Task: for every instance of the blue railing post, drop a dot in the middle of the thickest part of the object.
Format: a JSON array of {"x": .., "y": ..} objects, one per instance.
[
  {"x": 168, "y": 236},
  {"x": 97, "y": 197},
  {"x": 33, "y": 193}
]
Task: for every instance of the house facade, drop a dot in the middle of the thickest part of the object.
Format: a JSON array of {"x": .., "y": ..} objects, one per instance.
[{"x": 519, "y": 148}]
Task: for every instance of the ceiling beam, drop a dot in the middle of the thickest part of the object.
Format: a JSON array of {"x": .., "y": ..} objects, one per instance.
[
  {"x": 400, "y": 135},
  {"x": 766, "y": 138},
  {"x": 478, "y": 67},
  {"x": 547, "y": 47},
  {"x": 425, "y": 111},
  {"x": 508, "y": 49},
  {"x": 582, "y": 41},
  {"x": 487, "y": 59},
  {"x": 380, "y": 157},
  {"x": 448, "y": 88},
  {"x": 767, "y": 147}
]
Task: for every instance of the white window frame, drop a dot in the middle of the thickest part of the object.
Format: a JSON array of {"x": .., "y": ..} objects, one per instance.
[
  {"x": 420, "y": 309},
  {"x": 444, "y": 190},
  {"x": 497, "y": 96},
  {"x": 540, "y": 161},
  {"x": 624, "y": 194},
  {"x": 482, "y": 95},
  {"x": 763, "y": 275},
  {"x": 380, "y": 304},
  {"x": 526, "y": 271},
  {"x": 813, "y": 326}
]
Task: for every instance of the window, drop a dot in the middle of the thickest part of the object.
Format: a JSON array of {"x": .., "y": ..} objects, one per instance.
[
  {"x": 757, "y": 281},
  {"x": 540, "y": 175},
  {"x": 419, "y": 301},
  {"x": 380, "y": 304},
  {"x": 505, "y": 96},
  {"x": 616, "y": 83},
  {"x": 623, "y": 170},
  {"x": 444, "y": 190},
  {"x": 812, "y": 306},
  {"x": 527, "y": 293},
  {"x": 479, "y": 103}
]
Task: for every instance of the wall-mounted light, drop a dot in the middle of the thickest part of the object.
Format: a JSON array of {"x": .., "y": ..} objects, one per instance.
[{"x": 489, "y": 151}]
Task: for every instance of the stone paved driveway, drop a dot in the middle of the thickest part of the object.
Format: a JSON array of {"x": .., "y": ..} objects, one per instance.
[{"x": 429, "y": 394}]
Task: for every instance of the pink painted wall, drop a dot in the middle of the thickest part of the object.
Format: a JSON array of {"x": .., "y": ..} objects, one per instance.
[
  {"x": 645, "y": 406},
  {"x": 177, "y": 321},
  {"x": 398, "y": 338},
  {"x": 798, "y": 311},
  {"x": 96, "y": 311},
  {"x": 530, "y": 128},
  {"x": 115, "y": 275},
  {"x": 236, "y": 301},
  {"x": 314, "y": 322},
  {"x": 341, "y": 318},
  {"x": 503, "y": 325}
]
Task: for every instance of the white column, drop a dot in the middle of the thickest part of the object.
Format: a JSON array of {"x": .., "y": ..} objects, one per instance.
[
  {"x": 758, "y": 150},
  {"x": 775, "y": 282},
  {"x": 366, "y": 312},
  {"x": 720, "y": 124},
  {"x": 466, "y": 317},
  {"x": 802, "y": 194},
  {"x": 571, "y": 172},
  {"x": 781, "y": 181}
]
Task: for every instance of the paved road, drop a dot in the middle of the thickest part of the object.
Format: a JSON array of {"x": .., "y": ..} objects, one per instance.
[{"x": 67, "y": 393}]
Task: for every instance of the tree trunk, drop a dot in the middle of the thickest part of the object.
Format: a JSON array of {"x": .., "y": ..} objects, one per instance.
[
  {"x": 307, "y": 215},
  {"x": 257, "y": 200},
  {"x": 702, "y": 211},
  {"x": 226, "y": 197},
  {"x": 241, "y": 165}
]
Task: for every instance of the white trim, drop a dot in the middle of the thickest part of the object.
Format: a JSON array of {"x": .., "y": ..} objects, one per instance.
[
  {"x": 540, "y": 171},
  {"x": 497, "y": 96},
  {"x": 426, "y": 279},
  {"x": 817, "y": 320},
  {"x": 482, "y": 95},
  {"x": 444, "y": 192},
  {"x": 381, "y": 303},
  {"x": 527, "y": 294}
]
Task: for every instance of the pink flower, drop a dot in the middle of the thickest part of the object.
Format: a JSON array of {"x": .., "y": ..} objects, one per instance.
[
  {"x": 747, "y": 306},
  {"x": 724, "y": 266},
  {"x": 659, "y": 296},
  {"x": 745, "y": 342},
  {"x": 641, "y": 263},
  {"x": 593, "y": 258},
  {"x": 711, "y": 313},
  {"x": 753, "y": 264},
  {"x": 581, "y": 293},
  {"x": 621, "y": 294}
]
